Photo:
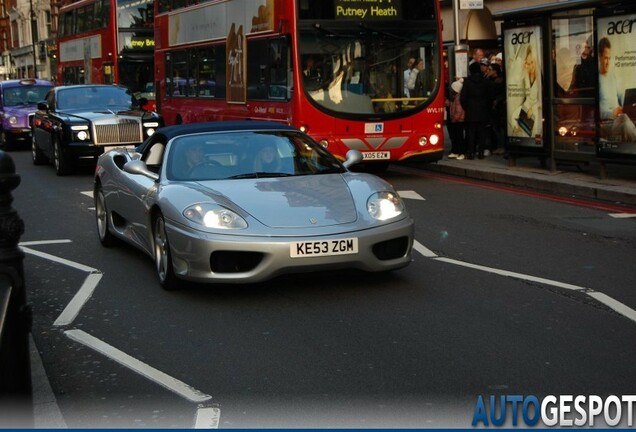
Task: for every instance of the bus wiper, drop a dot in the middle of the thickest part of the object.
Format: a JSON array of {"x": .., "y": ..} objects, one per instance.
[
  {"x": 381, "y": 32},
  {"x": 321, "y": 29}
]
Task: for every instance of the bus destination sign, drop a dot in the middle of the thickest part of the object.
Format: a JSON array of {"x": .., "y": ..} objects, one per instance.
[{"x": 366, "y": 10}]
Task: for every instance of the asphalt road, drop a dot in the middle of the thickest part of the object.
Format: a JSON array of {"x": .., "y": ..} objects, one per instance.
[{"x": 508, "y": 293}]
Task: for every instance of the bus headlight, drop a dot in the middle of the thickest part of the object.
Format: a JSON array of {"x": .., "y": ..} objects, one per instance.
[
  {"x": 423, "y": 141},
  {"x": 434, "y": 140},
  {"x": 323, "y": 142}
]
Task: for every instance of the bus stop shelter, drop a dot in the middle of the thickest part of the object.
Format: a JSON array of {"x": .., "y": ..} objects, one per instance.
[{"x": 570, "y": 70}]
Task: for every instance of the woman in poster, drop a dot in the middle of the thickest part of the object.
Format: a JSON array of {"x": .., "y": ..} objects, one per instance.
[{"x": 527, "y": 117}]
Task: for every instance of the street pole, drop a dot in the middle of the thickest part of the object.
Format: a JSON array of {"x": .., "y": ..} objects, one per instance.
[
  {"x": 460, "y": 51},
  {"x": 34, "y": 37}
]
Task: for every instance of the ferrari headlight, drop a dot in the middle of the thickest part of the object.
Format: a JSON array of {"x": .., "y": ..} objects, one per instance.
[
  {"x": 214, "y": 216},
  {"x": 384, "y": 205}
]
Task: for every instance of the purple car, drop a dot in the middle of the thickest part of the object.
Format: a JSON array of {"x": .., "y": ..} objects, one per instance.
[{"x": 18, "y": 104}]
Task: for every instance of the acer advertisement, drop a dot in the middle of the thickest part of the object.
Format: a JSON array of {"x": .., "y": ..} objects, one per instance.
[
  {"x": 617, "y": 85},
  {"x": 524, "y": 86}
]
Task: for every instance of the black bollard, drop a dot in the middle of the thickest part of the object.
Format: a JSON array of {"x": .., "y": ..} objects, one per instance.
[{"x": 16, "y": 398}]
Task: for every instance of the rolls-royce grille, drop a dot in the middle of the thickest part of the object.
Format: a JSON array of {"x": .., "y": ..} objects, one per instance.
[{"x": 125, "y": 131}]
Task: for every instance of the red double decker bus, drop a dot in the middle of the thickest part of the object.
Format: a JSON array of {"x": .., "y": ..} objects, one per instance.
[
  {"x": 333, "y": 68},
  {"x": 107, "y": 42}
]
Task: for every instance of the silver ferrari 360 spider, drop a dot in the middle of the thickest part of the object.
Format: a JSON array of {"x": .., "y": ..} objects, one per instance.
[{"x": 242, "y": 202}]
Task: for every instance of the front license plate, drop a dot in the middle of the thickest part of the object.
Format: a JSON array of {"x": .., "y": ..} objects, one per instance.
[
  {"x": 109, "y": 148},
  {"x": 376, "y": 155},
  {"x": 323, "y": 248}
]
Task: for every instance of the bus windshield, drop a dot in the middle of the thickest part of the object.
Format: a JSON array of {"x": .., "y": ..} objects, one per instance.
[{"x": 364, "y": 69}]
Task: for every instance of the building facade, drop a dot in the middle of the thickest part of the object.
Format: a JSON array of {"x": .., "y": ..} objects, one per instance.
[{"x": 26, "y": 37}]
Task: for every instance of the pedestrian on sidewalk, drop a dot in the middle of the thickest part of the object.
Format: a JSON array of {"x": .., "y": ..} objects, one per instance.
[
  {"x": 476, "y": 98},
  {"x": 498, "y": 121},
  {"x": 456, "y": 126}
]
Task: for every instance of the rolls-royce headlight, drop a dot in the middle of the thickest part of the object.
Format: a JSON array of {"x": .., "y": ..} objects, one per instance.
[
  {"x": 385, "y": 205},
  {"x": 214, "y": 216},
  {"x": 13, "y": 120},
  {"x": 80, "y": 133},
  {"x": 150, "y": 128}
]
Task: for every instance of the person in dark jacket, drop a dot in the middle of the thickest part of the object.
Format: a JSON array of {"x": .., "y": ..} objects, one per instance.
[{"x": 477, "y": 100}]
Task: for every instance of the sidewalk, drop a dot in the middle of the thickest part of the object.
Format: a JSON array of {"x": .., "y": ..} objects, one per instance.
[{"x": 574, "y": 179}]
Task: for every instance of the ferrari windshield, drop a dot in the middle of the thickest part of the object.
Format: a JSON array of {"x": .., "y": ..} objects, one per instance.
[
  {"x": 362, "y": 69},
  {"x": 247, "y": 154}
]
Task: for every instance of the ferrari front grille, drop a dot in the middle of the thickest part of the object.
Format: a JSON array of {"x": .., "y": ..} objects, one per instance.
[{"x": 124, "y": 131}]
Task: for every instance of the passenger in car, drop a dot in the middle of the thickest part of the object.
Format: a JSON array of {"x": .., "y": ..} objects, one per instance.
[
  {"x": 267, "y": 160},
  {"x": 191, "y": 157}
]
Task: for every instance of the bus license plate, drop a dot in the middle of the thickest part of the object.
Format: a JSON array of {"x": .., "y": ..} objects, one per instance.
[
  {"x": 383, "y": 155},
  {"x": 321, "y": 248}
]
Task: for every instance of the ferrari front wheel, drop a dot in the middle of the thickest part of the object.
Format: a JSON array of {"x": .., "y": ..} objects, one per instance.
[
  {"x": 102, "y": 218},
  {"x": 163, "y": 257}
]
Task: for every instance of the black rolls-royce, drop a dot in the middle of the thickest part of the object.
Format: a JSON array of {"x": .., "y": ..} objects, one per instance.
[{"x": 77, "y": 123}]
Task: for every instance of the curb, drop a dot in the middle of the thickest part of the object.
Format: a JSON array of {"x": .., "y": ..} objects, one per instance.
[{"x": 542, "y": 181}]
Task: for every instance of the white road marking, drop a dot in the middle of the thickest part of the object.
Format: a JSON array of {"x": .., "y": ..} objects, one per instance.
[
  {"x": 608, "y": 301},
  {"x": 164, "y": 380},
  {"x": 59, "y": 260},
  {"x": 73, "y": 308},
  {"x": 409, "y": 194},
  {"x": 613, "y": 304},
  {"x": 423, "y": 250},
  {"x": 513, "y": 274},
  {"x": 622, "y": 215},
  {"x": 87, "y": 193},
  {"x": 207, "y": 418},
  {"x": 44, "y": 242}
]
